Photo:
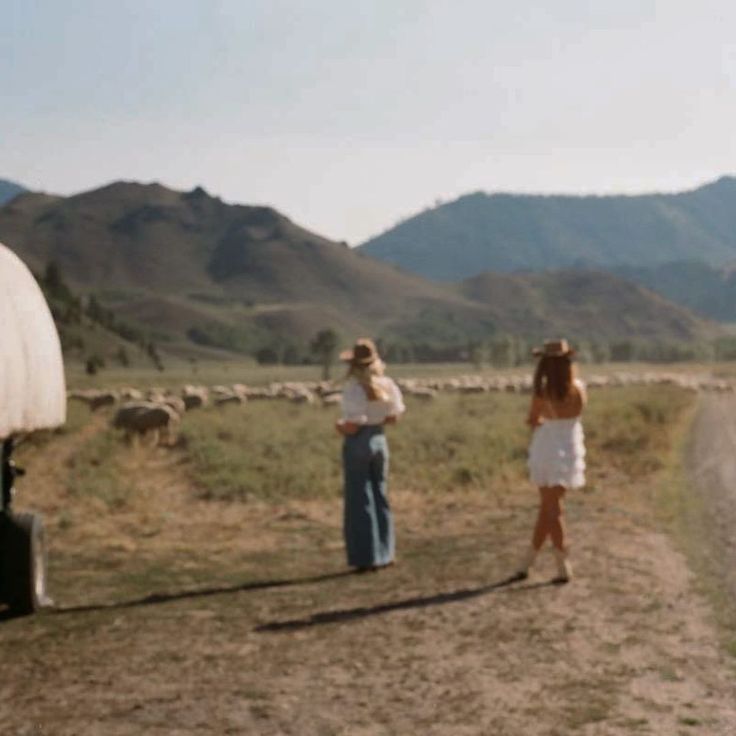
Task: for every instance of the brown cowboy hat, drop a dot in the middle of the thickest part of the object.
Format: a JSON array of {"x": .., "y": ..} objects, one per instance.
[
  {"x": 364, "y": 352},
  {"x": 554, "y": 349}
]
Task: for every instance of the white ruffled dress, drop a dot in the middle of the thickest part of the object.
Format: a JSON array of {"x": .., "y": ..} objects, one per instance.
[{"x": 557, "y": 453}]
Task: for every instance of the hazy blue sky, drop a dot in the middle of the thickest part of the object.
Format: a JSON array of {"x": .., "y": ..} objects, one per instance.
[{"x": 350, "y": 114}]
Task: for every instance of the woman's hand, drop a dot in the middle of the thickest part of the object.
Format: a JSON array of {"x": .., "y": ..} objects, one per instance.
[
  {"x": 391, "y": 419},
  {"x": 345, "y": 427}
]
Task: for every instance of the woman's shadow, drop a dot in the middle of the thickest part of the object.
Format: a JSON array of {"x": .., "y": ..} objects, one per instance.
[
  {"x": 158, "y": 598},
  {"x": 351, "y": 614}
]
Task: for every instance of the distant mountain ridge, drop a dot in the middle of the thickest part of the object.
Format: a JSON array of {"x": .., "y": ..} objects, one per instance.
[
  {"x": 8, "y": 190},
  {"x": 201, "y": 275},
  {"x": 709, "y": 291},
  {"x": 507, "y": 232},
  {"x": 589, "y": 304}
]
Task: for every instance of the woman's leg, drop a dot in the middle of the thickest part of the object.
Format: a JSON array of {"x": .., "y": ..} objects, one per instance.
[
  {"x": 541, "y": 530},
  {"x": 384, "y": 524},
  {"x": 359, "y": 511},
  {"x": 542, "y": 527},
  {"x": 557, "y": 532},
  {"x": 550, "y": 522},
  {"x": 555, "y": 512}
]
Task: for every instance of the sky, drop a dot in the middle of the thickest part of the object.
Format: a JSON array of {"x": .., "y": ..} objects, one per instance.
[{"x": 351, "y": 115}]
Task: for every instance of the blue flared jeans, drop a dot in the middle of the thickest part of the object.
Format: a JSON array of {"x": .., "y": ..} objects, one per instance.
[{"x": 367, "y": 523}]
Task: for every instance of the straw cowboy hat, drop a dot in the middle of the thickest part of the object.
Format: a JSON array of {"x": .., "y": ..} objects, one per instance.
[
  {"x": 554, "y": 349},
  {"x": 364, "y": 352}
]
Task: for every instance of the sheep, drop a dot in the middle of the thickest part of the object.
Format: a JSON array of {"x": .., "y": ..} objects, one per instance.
[
  {"x": 331, "y": 399},
  {"x": 194, "y": 398},
  {"x": 98, "y": 399},
  {"x": 231, "y": 398},
  {"x": 141, "y": 417},
  {"x": 175, "y": 403},
  {"x": 131, "y": 394},
  {"x": 301, "y": 395},
  {"x": 472, "y": 389},
  {"x": 421, "y": 392}
]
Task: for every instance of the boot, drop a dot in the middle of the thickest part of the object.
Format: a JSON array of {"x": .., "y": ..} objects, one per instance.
[
  {"x": 522, "y": 572},
  {"x": 564, "y": 568}
]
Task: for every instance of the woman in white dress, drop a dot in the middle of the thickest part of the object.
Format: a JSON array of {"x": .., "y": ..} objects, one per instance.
[
  {"x": 370, "y": 401},
  {"x": 557, "y": 449}
]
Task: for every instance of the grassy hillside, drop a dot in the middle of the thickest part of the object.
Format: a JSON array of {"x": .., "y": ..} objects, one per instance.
[
  {"x": 195, "y": 276},
  {"x": 706, "y": 290},
  {"x": 588, "y": 304},
  {"x": 91, "y": 335},
  {"x": 187, "y": 264},
  {"x": 505, "y": 232}
]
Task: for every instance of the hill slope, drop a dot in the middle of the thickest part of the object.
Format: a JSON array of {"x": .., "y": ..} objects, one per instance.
[
  {"x": 588, "y": 304},
  {"x": 707, "y": 290},
  {"x": 187, "y": 264},
  {"x": 505, "y": 232},
  {"x": 193, "y": 271}
]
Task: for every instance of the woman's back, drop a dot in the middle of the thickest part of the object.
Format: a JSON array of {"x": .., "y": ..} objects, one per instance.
[{"x": 548, "y": 406}]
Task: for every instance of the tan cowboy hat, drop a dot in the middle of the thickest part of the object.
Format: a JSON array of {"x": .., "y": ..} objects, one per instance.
[
  {"x": 364, "y": 352},
  {"x": 554, "y": 349}
]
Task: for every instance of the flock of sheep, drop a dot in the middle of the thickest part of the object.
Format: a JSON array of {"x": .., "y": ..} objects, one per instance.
[{"x": 158, "y": 411}]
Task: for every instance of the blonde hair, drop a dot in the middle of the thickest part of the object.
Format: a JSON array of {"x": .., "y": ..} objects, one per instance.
[{"x": 366, "y": 376}]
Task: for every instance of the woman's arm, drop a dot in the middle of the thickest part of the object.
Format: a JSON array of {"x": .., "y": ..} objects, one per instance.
[
  {"x": 534, "y": 419},
  {"x": 579, "y": 397}
]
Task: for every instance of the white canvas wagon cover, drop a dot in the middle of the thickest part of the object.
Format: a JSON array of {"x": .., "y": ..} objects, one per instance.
[{"x": 32, "y": 389}]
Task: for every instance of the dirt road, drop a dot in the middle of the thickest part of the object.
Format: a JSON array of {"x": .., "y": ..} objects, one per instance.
[{"x": 712, "y": 463}]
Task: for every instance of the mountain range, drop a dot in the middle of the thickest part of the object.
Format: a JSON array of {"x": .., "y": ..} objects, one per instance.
[
  {"x": 200, "y": 275},
  {"x": 506, "y": 232}
]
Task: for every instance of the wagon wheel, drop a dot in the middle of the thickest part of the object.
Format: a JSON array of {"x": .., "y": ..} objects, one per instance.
[{"x": 23, "y": 560}]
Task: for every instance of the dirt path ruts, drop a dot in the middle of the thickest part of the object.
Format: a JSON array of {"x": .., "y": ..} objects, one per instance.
[{"x": 712, "y": 470}]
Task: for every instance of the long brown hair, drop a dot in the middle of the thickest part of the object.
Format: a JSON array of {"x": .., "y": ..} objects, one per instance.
[{"x": 554, "y": 377}]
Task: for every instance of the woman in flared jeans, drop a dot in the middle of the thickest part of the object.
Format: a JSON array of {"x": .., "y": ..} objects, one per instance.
[{"x": 370, "y": 401}]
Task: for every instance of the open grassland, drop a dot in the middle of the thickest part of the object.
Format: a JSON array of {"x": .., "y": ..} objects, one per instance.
[{"x": 201, "y": 588}]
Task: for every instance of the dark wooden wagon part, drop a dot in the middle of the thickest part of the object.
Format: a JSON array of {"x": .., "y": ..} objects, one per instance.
[{"x": 32, "y": 397}]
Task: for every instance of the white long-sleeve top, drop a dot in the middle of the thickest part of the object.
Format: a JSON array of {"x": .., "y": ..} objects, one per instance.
[{"x": 357, "y": 409}]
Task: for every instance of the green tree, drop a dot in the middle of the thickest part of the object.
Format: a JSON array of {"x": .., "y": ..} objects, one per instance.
[
  {"x": 93, "y": 364},
  {"x": 324, "y": 347}
]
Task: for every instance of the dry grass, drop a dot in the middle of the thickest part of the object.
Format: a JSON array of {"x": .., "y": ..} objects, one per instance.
[{"x": 211, "y": 599}]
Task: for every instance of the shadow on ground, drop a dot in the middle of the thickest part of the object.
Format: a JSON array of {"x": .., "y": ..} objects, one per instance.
[
  {"x": 156, "y": 598},
  {"x": 352, "y": 614}
]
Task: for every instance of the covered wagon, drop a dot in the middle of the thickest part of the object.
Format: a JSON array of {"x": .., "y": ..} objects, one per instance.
[{"x": 32, "y": 397}]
